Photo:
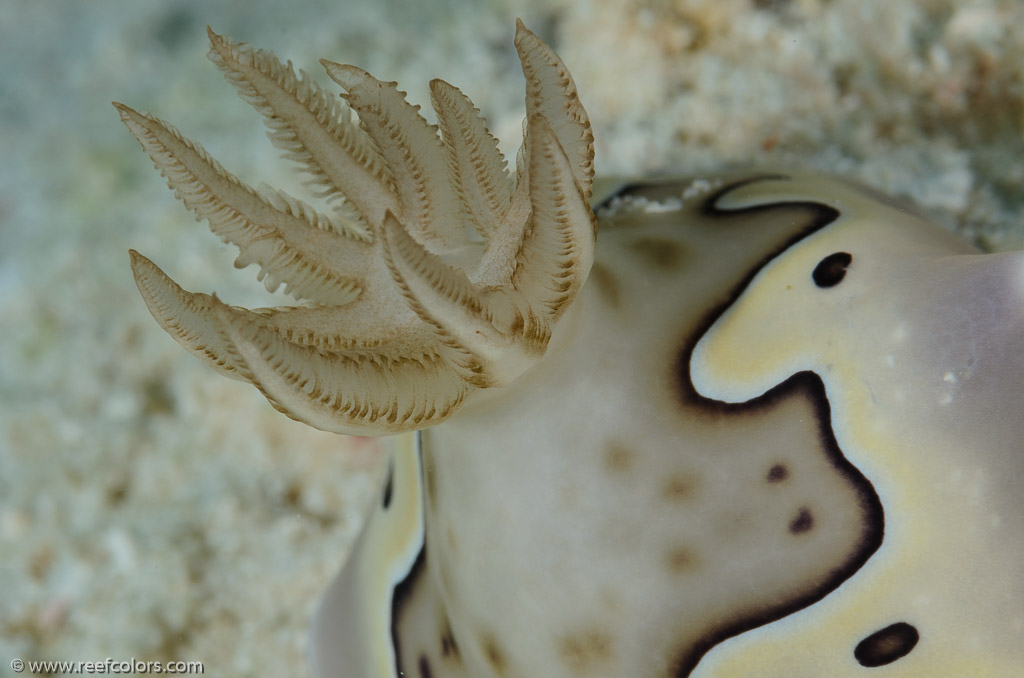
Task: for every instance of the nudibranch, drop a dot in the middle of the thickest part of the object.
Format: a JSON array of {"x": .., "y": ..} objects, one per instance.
[{"x": 767, "y": 425}]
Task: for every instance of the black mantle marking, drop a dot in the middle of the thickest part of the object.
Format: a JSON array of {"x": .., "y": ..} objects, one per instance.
[{"x": 804, "y": 383}]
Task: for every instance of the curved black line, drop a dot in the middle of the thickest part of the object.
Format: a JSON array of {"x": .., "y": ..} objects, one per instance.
[
  {"x": 401, "y": 595},
  {"x": 403, "y": 591},
  {"x": 804, "y": 383},
  {"x": 809, "y": 384},
  {"x": 385, "y": 501}
]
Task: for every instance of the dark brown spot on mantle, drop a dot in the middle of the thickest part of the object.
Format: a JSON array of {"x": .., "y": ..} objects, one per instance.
[
  {"x": 494, "y": 654},
  {"x": 681, "y": 560},
  {"x": 449, "y": 646},
  {"x": 678, "y": 488},
  {"x": 584, "y": 651},
  {"x": 618, "y": 458},
  {"x": 659, "y": 253},
  {"x": 777, "y": 474},
  {"x": 424, "y": 666},
  {"x": 803, "y": 522}
]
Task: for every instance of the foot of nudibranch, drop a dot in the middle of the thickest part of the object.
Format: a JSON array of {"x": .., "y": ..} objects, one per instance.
[{"x": 352, "y": 630}]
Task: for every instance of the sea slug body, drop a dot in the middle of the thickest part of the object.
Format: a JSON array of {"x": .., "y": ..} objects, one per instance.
[{"x": 760, "y": 423}]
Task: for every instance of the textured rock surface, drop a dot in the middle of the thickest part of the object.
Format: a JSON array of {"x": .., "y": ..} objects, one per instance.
[{"x": 150, "y": 508}]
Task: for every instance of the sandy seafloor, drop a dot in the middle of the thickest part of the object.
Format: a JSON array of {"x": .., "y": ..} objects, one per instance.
[{"x": 150, "y": 508}]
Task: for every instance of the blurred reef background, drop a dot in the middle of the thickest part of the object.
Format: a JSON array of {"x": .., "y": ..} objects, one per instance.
[{"x": 150, "y": 508}]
